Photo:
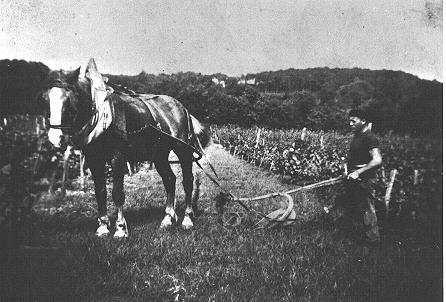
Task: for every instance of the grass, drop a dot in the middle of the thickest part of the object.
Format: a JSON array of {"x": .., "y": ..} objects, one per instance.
[{"x": 60, "y": 258}]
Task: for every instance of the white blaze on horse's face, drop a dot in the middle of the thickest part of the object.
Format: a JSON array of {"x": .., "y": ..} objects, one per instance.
[{"x": 56, "y": 96}]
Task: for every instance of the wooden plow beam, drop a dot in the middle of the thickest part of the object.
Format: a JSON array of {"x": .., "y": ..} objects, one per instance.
[{"x": 284, "y": 216}]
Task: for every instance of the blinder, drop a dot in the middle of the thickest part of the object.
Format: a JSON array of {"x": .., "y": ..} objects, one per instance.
[{"x": 70, "y": 88}]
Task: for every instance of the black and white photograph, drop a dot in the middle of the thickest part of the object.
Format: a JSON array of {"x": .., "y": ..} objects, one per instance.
[{"x": 227, "y": 150}]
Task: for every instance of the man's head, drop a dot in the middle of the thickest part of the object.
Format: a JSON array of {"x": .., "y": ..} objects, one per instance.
[{"x": 358, "y": 119}]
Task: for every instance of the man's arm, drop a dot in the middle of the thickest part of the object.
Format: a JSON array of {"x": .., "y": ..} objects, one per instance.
[{"x": 374, "y": 162}]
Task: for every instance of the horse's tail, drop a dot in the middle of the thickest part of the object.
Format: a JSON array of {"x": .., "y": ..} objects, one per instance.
[
  {"x": 202, "y": 134},
  {"x": 203, "y": 140}
]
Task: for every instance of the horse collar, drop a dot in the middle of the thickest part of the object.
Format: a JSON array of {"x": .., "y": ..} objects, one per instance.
[{"x": 100, "y": 121}]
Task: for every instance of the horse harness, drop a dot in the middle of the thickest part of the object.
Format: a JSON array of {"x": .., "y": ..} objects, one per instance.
[{"x": 157, "y": 127}]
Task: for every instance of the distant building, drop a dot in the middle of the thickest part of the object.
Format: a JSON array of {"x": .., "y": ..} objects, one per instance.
[
  {"x": 218, "y": 82},
  {"x": 247, "y": 81}
]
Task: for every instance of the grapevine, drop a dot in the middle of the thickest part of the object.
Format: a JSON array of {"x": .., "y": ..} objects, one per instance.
[{"x": 313, "y": 159}]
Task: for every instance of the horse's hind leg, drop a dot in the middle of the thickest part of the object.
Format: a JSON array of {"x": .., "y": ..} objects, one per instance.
[
  {"x": 118, "y": 166},
  {"x": 188, "y": 180},
  {"x": 97, "y": 166},
  {"x": 163, "y": 167}
]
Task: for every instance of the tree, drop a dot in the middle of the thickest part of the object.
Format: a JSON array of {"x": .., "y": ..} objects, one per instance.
[{"x": 21, "y": 83}]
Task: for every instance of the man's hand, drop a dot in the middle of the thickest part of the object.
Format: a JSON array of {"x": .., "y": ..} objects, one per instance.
[{"x": 353, "y": 175}]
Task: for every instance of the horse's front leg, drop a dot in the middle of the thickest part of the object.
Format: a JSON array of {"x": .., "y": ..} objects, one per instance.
[
  {"x": 118, "y": 165},
  {"x": 97, "y": 169}
]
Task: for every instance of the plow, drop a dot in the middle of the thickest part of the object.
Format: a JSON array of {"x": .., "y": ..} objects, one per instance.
[{"x": 281, "y": 217}]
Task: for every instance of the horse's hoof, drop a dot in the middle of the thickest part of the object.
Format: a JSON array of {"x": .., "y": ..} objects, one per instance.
[
  {"x": 121, "y": 230},
  {"x": 167, "y": 222},
  {"x": 104, "y": 223},
  {"x": 102, "y": 230},
  {"x": 187, "y": 223},
  {"x": 121, "y": 234}
]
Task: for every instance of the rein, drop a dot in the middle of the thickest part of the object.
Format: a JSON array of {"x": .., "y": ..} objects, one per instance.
[
  {"x": 159, "y": 130},
  {"x": 190, "y": 134},
  {"x": 91, "y": 123},
  {"x": 226, "y": 196},
  {"x": 61, "y": 127}
]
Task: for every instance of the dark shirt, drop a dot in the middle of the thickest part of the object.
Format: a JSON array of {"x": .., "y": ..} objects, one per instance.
[{"x": 359, "y": 153}]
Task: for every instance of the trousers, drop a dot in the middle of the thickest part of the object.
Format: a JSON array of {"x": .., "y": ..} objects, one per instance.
[{"x": 355, "y": 205}]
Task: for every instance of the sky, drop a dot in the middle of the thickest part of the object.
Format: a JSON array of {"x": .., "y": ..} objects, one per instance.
[{"x": 230, "y": 37}]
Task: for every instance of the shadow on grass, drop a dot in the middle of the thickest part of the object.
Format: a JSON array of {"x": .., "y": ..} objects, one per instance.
[
  {"x": 35, "y": 274},
  {"x": 60, "y": 259},
  {"x": 142, "y": 216},
  {"x": 63, "y": 222}
]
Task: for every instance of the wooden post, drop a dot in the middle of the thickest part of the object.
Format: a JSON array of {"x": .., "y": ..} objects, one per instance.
[
  {"x": 37, "y": 126},
  {"x": 129, "y": 169},
  {"x": 39, "y": 155},
  {"x": 81, "y": 168},
  {"x": 389, "y": 189},
  {"x": 52, "y": 179},
  {"x": 416, "y": 175},
  {"x": 66, "y": 157},
  {"x": 258, "y": 137},
  {"x": 303, "y": 134},
  {"x": 322, "y": 141}
]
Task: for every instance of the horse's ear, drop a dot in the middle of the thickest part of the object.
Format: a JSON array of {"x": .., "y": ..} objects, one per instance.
[
  {"x": 73, "y": 76},
  {"x": 95, "y": 77},
  {"x": 92, "y": 65}
]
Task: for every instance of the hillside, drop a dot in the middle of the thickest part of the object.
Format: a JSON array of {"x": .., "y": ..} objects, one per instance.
[{"x": 316, "y": 98}]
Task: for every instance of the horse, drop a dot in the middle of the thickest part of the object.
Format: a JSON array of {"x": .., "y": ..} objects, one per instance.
[{"x": 116, "y": 126}]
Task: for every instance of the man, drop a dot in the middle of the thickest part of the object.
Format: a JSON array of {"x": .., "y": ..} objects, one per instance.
[{"x": 357, "y": 202}]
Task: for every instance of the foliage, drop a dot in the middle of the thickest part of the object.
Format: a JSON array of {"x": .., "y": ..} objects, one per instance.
[
  {"x": 321, "y": 155},
  {"x": 316, "y": 98},
  {"x": 16, "y": 147},
  {"x": 20, "y": 86}
]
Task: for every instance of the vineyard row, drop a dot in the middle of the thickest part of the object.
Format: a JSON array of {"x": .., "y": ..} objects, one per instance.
[{"x": 302, "y": 156}]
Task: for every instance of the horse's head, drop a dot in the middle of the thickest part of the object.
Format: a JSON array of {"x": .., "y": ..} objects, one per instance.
[
  {"x": 63, "y": 100},
  {"x": 71, "y": 99}
]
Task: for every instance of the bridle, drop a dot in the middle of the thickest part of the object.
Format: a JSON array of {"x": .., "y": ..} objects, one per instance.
[{"x": 71, "y": 88}]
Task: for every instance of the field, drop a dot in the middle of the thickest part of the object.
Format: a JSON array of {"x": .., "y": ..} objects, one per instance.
[{"x": 59, "y": 258}]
